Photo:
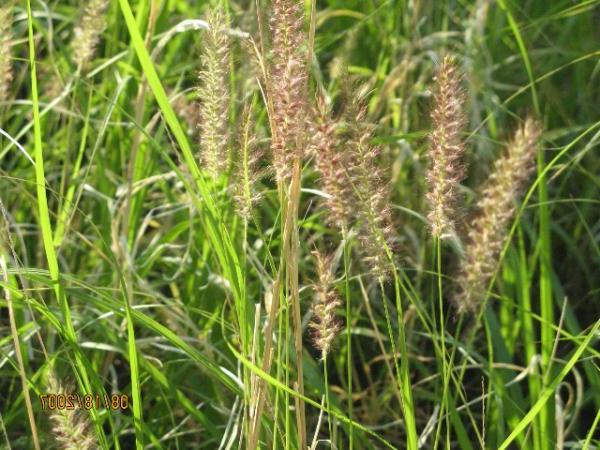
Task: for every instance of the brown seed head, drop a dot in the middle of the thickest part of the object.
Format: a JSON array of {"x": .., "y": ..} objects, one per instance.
[
  {"x": 372, "y": 192},
  {"x": 446, "y": 149},
  {"x": 287, "y": 85},
  {"x": 247, "y": 170},
  {"x": 325, "y": 325},
  {"x": 332, "y": 162},
  {"x": 496, "y": 209}
]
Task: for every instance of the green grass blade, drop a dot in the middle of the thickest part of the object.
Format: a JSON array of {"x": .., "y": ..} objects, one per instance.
[{"x": 551, "y": 388}]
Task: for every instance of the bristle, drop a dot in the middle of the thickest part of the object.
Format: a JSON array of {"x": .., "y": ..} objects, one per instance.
[
  {"x": 287, "y": 84},
  {"x": 332, "y": 162},
  {"x": 446, "y": 149},
  {"x": 214, "y": 94},
  {"x": 247, "y": 172},
  {"x": 5, "y": 45},
  {"x": 325, "y": 325},
  {"x": 88, "y": 32},
  {"x": 496, "y": 209},
  {"x": 71, "y": 427}
]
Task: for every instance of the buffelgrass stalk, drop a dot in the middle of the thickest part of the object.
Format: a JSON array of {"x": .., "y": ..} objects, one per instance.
[
  {"x": 496, "y": 209},
  {"x": 6, "y": 73},
  {"x": 332, "y": 162},
  {"x": 446, "y": 148},
  {"x": 71, "y": 427},
  {"x": 88, "y": 32},
  {"x": 214, "y": 94},
  {"x": 287, "y": 85},
  {"x": 367, "y": 209}
]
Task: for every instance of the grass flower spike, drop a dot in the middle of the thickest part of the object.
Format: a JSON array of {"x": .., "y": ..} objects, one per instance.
[
  {"x": 332, "y": 162},
  {"x": 325, "y": 325},
  {"x": 446, "y": 148},
  {"x": 248, "y": 171},
  {"x": 496, "y": 209},
  {"x": 71, "y": 427},
  {"x": 5, "y": 44},
  {"x": 372, "y": 207},
  {"x": 88, "y": 32},
  {"x": 287, "y": 87},
  {"x": 214, "y": 94}
]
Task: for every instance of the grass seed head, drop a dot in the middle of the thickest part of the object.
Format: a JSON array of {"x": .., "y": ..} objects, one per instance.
[
  {"x": 326, "y": 325},
  {"x": 88, "y": 32},
  {"x": 287, "y": 84},
  {"x": 446, "y": 148},
  {"x": 6, "y": 73},
  {"x": 247, "y": 170},
  {"x": 332, "y": 161},
  {"x": 214, "y": 94},
  {"x": 496, "y": 209},
  {"x": 71, "y": 427},
  {"x": 372, "y": 194}
]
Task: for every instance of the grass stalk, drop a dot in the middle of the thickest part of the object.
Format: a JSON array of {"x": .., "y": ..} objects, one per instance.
[
  {"x": 4, "y": 257},
  {"x": 46, "y": 229}
]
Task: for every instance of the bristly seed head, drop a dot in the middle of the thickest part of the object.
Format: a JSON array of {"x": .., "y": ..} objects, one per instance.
[
  {"x": 446, "y": 148},
  {"x": 357, "y": 194},
  {"x": 5, "y": 45},
  {"x": 326, "y": 325},
  {"x": 374, "y": 216},
  {"x": 71, "y": 427},
  {"x": 287, "y": 85},
  {"x": 247, "y": 168},
  {"x": 214, "y": 94},
  {"x": 332, "y": 162},
  {"x": 496, "y": 209},
  {"x": 88, "y": 32}
]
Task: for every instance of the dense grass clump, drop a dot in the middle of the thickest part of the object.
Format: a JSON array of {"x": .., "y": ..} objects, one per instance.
[{"x": 285, "y": 224}]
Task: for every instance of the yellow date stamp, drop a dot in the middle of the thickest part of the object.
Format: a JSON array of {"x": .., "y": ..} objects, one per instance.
[{"x": 84, "y": 401}]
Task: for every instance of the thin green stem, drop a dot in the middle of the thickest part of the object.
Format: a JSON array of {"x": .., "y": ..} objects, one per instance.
[{"x": 348, "y": 335}]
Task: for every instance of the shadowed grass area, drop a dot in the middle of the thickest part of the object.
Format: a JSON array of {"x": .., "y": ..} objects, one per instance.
[{"x": 170, "y": 169}]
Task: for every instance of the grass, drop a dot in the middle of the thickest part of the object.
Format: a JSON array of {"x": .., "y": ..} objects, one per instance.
[{"x": 130, "y": 268}]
